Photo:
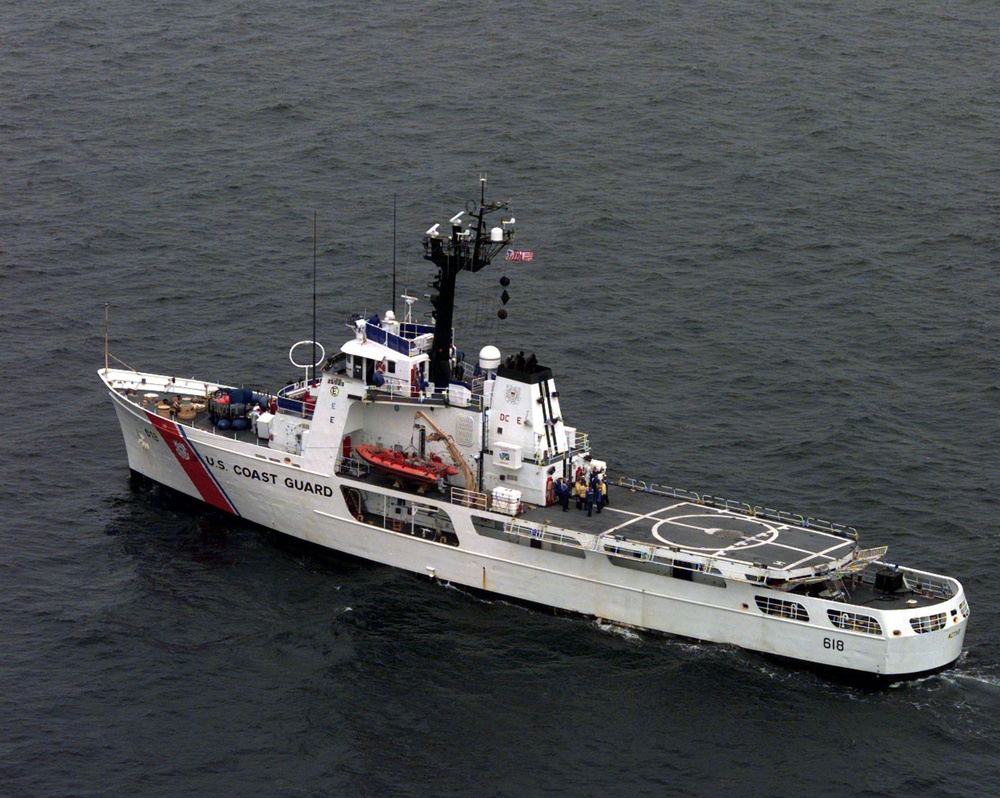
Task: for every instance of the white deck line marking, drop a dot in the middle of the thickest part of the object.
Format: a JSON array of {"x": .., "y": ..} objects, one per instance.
[
  {"x": 810, "y": 552},
  {"x": 637, "y": 516},
  {"x": 742, "y": 544},
  {"x": 623, "y": 512},
  {"x": 729, "y": 553},
  {"x": 842, "y": 542},
  {"x": 823, "y": 553},
  {"x": 685, "y": 526},
  {"x": 776, "y": 542}
]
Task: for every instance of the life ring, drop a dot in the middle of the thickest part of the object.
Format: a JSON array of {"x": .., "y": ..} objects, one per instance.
[{"x": 397, "y": 525}]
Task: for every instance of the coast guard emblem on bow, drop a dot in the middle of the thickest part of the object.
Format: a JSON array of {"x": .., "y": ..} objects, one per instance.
[{"x": 182, "y": 450}]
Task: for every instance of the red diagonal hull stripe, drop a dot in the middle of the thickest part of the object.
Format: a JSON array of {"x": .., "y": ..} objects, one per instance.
[{"x": 193, "y": 466}]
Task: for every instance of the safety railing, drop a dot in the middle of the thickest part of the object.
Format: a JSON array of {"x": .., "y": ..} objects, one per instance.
[
  {"x": 581, "y": 445},
  {"x": 415, "y": 338},
  {"x": 619, "y": 547},
  {"x": 403, "y": 394},
  {"x": 353, "y": 466},
  {"x": 531, "y": 532},
  {"x": 475, "y": 499},
  {"x": 927, "y": 586},
  {"x": 743, "y": 508},
  {"x": 546, "y": 458}
]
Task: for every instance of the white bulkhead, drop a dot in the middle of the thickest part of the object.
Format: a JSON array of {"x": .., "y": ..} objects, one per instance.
[{"x": 526, "y": 443}]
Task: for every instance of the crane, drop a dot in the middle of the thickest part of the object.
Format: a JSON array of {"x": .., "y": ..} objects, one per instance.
[{"x": 440, "y": 435}]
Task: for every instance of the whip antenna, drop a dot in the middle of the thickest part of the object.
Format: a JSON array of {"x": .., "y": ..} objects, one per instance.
[
  {"x": 394, "y": 253},
  {"x": 314, "y": 297},
  {"x": 105, "y": 337}
]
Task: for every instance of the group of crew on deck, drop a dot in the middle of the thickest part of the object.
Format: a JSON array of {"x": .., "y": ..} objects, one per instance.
[
  {"x": 518, "y": 362},
  {"x": 590, "y": 494}
]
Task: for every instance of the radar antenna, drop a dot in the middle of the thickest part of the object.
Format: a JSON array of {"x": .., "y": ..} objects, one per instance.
[{"x": 463, "y": 249}]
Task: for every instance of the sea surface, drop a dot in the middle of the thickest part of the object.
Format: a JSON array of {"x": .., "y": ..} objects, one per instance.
[{"x": 766, "y": 260}]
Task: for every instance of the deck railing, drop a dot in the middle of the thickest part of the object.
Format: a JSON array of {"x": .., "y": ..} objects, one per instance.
[
  {"x": 415, "y": 338},
  {"x": 402, "y": 394},
  {"x": 928, "y": 586},
  {"x": 353, "y": 466},
  {"x": 475, "y": 499},
  {"x": 757, "y": 511},
  {"x": 546, "y": 458},
  {"x": 532, "y": 532}
]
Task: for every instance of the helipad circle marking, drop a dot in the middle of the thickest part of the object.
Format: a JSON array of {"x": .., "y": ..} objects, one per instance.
[{"x": 768, "y": 534}]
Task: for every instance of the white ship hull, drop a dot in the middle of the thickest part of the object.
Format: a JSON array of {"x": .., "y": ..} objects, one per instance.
[
  {"x": 490, "y": 436},
  {"x": 299, "y": 497}
]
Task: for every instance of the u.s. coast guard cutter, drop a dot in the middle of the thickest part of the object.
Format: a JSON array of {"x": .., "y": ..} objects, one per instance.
[{"x": 398, "y": 451}]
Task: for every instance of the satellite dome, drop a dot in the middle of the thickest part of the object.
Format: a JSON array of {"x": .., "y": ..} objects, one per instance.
[{"x": 489, "y": 358}]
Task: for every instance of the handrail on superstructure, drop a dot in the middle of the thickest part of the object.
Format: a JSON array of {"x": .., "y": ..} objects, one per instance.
[
  {"x": 475, "y": 499},
  {"x": 581, "y": 448},
  {"x": 415, "y": 338},
  {"x": 353, "y": 466},
  {"x": 927, "y": 585},
  {"x": 541, "y": 533},
  {"x": 436, "y": 398}
]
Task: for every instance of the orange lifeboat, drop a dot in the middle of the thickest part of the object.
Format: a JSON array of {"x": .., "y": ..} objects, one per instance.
[{"x": 408, "y": 467}]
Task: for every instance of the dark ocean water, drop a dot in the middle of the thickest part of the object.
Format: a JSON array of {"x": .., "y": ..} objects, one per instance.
[{"x": 765, "y": 240}]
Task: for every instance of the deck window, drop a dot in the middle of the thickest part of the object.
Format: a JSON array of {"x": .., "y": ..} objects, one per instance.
[
  {"x": 854, "y": 622},
  {"x": 929, "y": 623},
  {"x": 781, "y": 609}
]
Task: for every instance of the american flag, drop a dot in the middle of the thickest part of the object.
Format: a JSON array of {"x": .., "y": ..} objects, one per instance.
[{"x": 519, "y": 255}]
